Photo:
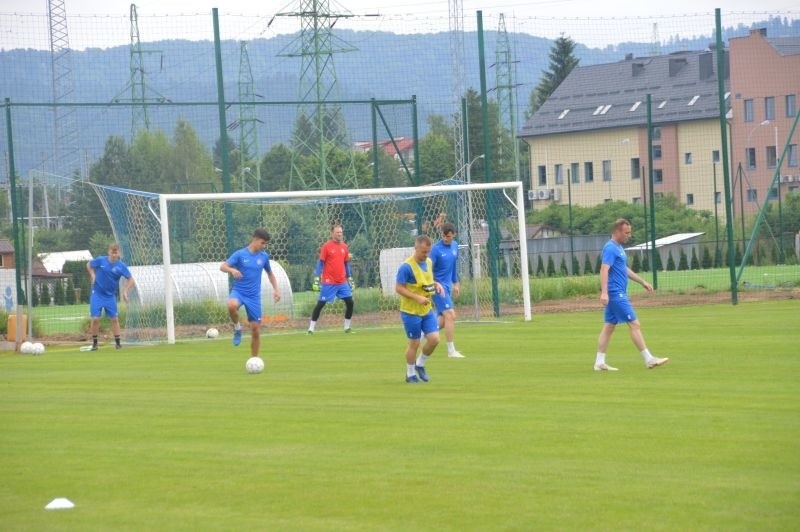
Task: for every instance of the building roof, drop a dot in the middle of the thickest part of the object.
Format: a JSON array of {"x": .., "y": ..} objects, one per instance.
[
  {"x": 403, "y": 145},
  {"x": 605, "y": 96},
  {"x": 785, "y": 45},
  {"x": 677, "y": 238},
  {"x": 54, "y": 262},
  {"x": 6, "y": 246}
]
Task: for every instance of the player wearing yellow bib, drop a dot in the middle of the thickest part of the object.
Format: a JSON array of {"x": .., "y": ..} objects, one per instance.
[{"x": 415, "y": 285}]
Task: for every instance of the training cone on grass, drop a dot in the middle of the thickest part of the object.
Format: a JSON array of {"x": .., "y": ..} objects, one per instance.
[{"x": 60, "y": 504}]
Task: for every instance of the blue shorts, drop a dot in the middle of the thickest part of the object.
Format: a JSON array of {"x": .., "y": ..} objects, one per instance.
[
  {"x": 444, "y": 302},
  {"x": 98, "y": 302},
  {"x": 416, "y": 325},
  {"x": 329, "y": 292},
  {"x": 252, "y": 306},
  {"x": 619, "y": 309}
]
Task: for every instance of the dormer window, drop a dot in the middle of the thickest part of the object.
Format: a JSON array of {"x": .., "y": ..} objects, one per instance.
[{"x": 563, "y": 114}]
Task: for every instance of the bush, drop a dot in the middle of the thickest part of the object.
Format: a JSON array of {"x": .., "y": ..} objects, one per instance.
[
  {"x": 59, "y": 297},
  {"x": 636, "y": 263},
  {"x": 707, "y": 258},
  {"x": 683, "y": 261},
  {"x": 670, "y": 262},
  {"x": 587, "y": 265},
  {"x": 551, "y": 267},
  {"x": 694, "y": 264},
  {"x": 69, "y": 293},
  {"x": 540, "y": 271}
]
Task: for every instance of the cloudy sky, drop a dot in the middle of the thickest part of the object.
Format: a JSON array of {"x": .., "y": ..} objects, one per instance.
[{"x": 434, "y": 8}]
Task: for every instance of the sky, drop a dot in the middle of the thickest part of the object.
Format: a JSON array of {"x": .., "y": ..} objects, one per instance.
[{"x": 436, "y": 8}]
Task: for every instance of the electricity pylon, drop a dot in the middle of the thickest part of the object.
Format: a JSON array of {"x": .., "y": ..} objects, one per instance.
[
  {"x": 456, "y": 10},
  {"x": 508, "y": 146},
  {"x": 320, "y": 126},
  {"x": 247, "y": 124},
  {"x": 66, "y": 151}
]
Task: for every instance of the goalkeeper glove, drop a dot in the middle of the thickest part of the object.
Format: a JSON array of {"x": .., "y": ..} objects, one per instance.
[
  {"x": 351, "y": 282},
  {"x": 315, "y": 285}
]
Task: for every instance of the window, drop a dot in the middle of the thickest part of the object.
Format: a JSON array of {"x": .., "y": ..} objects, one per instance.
[
  {"x": 689, "y": 199},
  {"x": 752, "y": 195},
  {"x": 717, "y": 197},
  {"x": 575, "y": 170},
  {"x": 693, "y": 100},
  {"x": 658, "y": 175},
  {"x": 769, "y": 108},
  {"x": 662, "y": 104},
  {"x": 636, "y": 105},
  {"x": 588, "y": 171},
  {"x": 605, "y": 109},
  {"x": 656, "y": 133},
  {"x": 606, "y": 170},
  {"x": 772, "y": 158},
  {"x": 563, "y": 114},
  {"x": 656, "y": 151},
  {"x": 750, "y": 157},
  {"x": 687, "y": 158},
  {"x": 542, "y": 175},
  {"x": 597, "y": 111},
  {"x": 635, "y": 169},
  {"x": 715, "y": 156},
  {"x": 791, "y": 106},
  {"x": 772, "y": 195},
  {"x": 748, "y": 111},
  {"x": 791, "y": 155},
  {"x": 559, "y": 171}
]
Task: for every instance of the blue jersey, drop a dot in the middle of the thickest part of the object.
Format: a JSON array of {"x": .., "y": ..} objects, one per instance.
[
  {"x": 445, "y": 262},
  {"x": 614, "y": 256},
  {"x": 250, "y": 265},
  {"x": 405, "y": 274},
  {"x": 107, "y": 275}
]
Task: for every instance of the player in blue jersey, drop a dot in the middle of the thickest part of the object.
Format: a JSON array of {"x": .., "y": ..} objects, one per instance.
[
  {"x": 614, "y": 275},
  {"x": 415, "y": 285},
  {"x": 104, "y": 275},
  {"x": 245, "y": 266},
  {"x": 444, "y": 256}
]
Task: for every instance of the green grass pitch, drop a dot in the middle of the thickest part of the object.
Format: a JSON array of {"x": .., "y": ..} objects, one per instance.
[{"x": 520, "y": 435}]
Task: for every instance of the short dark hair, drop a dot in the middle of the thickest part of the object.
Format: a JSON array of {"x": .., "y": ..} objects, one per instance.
[
  {"x": 619, "y": 223},
  {"x": 423, "y": 239},
  {"x": 447, "y": 227},
  {"x": 262, "y": 234}
]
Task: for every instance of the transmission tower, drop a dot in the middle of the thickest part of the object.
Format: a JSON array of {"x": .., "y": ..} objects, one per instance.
[
  {"x": 320, "y": 126},
  {"x": 508, "y": 146},
  {"x": 655, "y": 43},
  {"x": 66, "y": 153},
  {"x": 456, "y": 9},
  {"x": 248, "y": 125}
]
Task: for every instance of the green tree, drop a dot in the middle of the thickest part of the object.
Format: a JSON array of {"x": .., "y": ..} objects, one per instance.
[
  {"x": 35, "y": 296},
  {"x": 436, "y": 158},
  {"x": 587, "y": 265},
  {"x": 276, "y": 168},
  {"x": 576, "y": 267},
  {"x": 598, "y": 262},
  {"x": 562, "y": 61},
  {"x": 562, "y": 269},
  {"x": 69, "y": 292},
  {"x": 636, "y": 263},
  {"x": 683, "y": 261},
  {"x": 551, "y": 267},
  {"x": 646, "y": 262},
  {"x": 694, "y": 263},
  {"x": 706, "y": 262},
  {"x": 540, "y": 271},
  {"x": 59, "y": 297},
  {"x": 44, "y": 296},
  {"x": 670, "y": 262}
]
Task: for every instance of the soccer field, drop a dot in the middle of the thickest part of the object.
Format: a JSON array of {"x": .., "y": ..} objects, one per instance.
[{"x": 520, "y": 435}]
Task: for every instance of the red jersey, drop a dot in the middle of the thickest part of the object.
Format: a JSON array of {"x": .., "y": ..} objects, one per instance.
[{"x": 334, "y": 255}]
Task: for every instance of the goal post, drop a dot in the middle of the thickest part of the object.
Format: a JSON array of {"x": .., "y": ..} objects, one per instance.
[{"x": 180, "y": 290}]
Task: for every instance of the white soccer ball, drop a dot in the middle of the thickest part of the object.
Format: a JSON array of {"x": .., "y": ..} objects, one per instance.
[
  {"x": 38, "y": 348},
  {"x": 212, "y": 333},
  {"x": 26, "y": 348},
  {"x": 254, "y": 365}
]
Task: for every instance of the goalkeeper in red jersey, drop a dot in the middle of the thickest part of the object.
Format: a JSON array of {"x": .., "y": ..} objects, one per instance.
[{"x": 332, "y": 278}]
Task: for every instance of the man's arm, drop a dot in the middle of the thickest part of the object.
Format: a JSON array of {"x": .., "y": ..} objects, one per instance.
[
  {"x": 128, "y": 286},
  {"x": 227, "y": 268},
  {"x": 405, "y": 292},
  {"x": 91, "y": 273},
  {"x": 604, "y": 283},
  {"x": 633, "y": 277},
  {"x": 276, "y": 293}
]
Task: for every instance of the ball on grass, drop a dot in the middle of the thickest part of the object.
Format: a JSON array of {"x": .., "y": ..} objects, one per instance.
[
  {"x": 254, "y": 365},
  {"x": 37, "y": 348},
  {"x": 212, "y": 333},
  {"x": 26, "y": 348}
]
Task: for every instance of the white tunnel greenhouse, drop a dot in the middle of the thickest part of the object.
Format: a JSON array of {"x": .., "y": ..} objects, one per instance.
[{"x": 203, "y": 281}]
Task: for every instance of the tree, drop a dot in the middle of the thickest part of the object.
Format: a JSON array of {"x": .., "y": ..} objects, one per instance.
[
  {"x": 44, "y": 296},
  {"x": 436, "y": 158},
  {"x": 69, "y": 293},
  {"x": 670, "y": 262},
  {"x": 551, "y": 266},
  {"x": 587, "y": 265},
  {"x": 706, "y": 262},
  {"x": 276, "y": 168},
  {"x": 636, "y": 263},
  {"x": 540, "y": 271},
  {"x": 694, "y": 263},
  {"x": 562, "y": 61},
  {"x": 59, "y": 297},
  {"x": 683, "y": 261}
]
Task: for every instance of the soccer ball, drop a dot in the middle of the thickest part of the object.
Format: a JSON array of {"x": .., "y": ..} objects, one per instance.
[
  {"x": 212, "y": 333},
  {"x": 37, "y": 348},
  {"x": 26, "y": 348},
  {"x": 254, "y": 365}
]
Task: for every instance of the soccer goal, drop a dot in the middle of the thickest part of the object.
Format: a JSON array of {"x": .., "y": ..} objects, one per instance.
[{"x": 174, "y": 244}]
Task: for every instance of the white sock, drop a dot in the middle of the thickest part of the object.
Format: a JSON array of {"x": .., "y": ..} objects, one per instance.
[
  {"x": 311, "y": 325},
  {"x": 451, "y": 347},
  {"x": 346, "y": 324},
  {"x": 421, "y": 359},
  {"x": 647, "y": 356},
  {"x": 601, "y": 358},
  {"x": 237, "y": 326},
  {"x": 410, "y": 371}
]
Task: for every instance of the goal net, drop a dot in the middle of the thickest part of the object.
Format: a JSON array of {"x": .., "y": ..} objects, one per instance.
[{"x": 174, "y": 244}]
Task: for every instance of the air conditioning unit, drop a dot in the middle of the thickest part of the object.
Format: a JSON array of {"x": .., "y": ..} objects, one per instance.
[
  {"x": 555, "y": 193},
  {"x": 787, "y": 179},
  {"x": 533, "y": 195},
  {"x": 544, "y": 193}
]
